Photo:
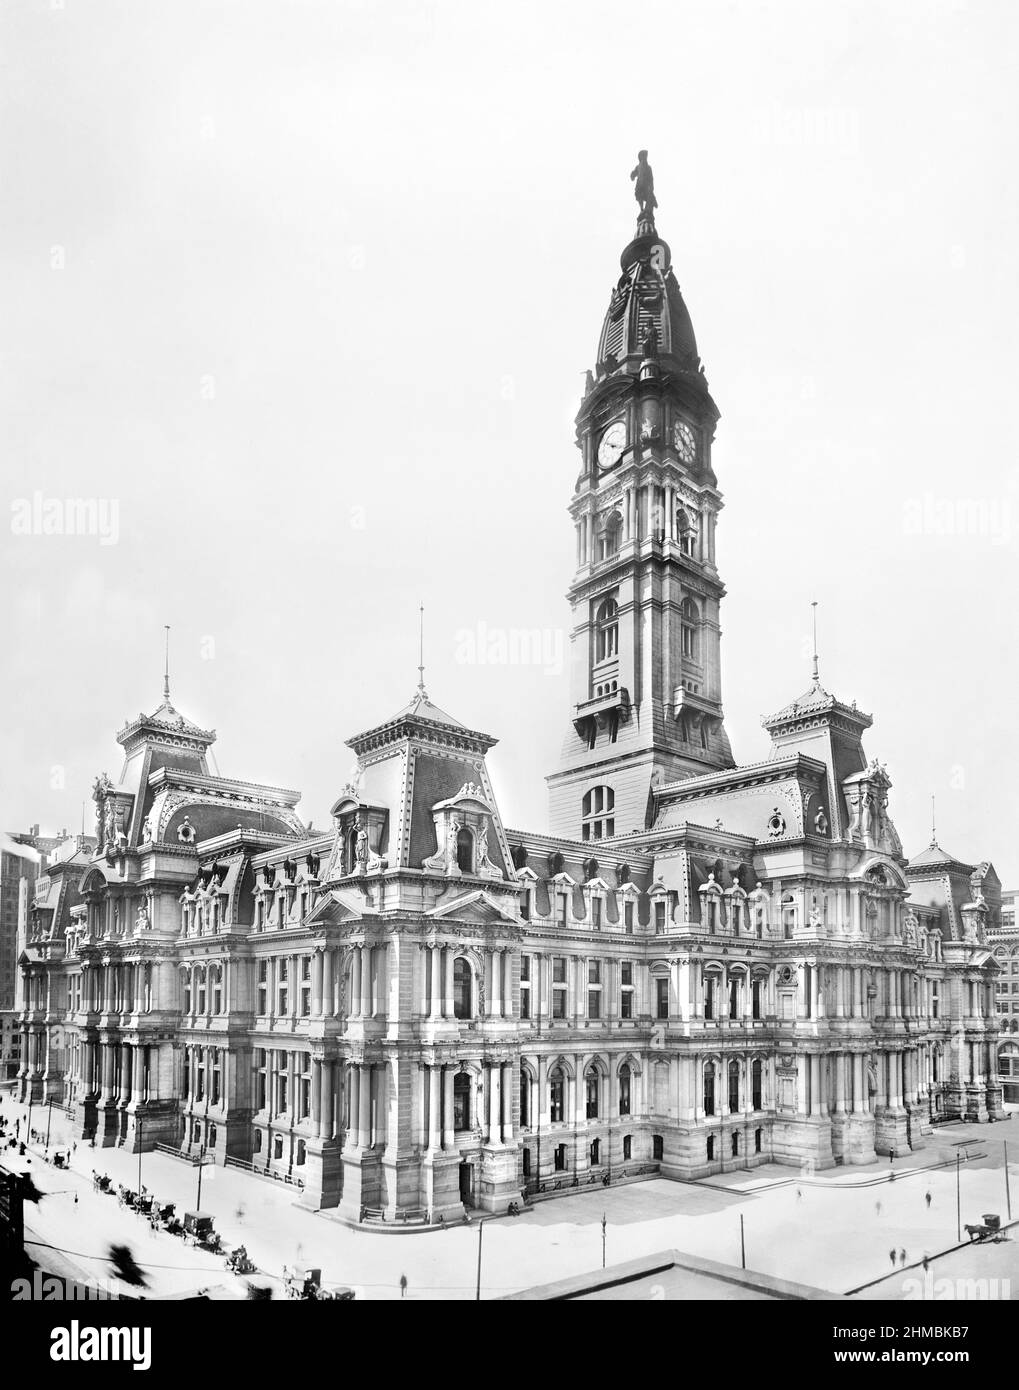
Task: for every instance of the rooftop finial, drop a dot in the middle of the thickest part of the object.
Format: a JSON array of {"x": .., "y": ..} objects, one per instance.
[
  {"x": 166, "y": 666},
  {"x": 813, "y": 605},
  {"x": 421, "y": 667},
  {"x": 644, "y": 192}
]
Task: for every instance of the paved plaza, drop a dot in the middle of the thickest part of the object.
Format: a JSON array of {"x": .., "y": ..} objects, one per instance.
[{"x": 834, "y": 1230}]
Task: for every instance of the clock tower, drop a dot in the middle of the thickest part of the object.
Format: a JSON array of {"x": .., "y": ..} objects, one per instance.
[{"x": 646, "y": 699}]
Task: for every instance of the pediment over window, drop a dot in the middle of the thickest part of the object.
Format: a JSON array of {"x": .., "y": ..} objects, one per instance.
[
  {"x": 334, "y": 909},
  {"x": 472, "y": 908}
]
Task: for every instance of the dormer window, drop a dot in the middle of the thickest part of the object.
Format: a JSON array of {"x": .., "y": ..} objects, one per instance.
[
  {"x": 465, "y": 850},
  {"x": 685, "y": 531}
]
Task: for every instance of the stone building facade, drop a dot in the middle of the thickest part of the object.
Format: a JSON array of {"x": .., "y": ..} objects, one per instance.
[{"x": 703, "y": 965}]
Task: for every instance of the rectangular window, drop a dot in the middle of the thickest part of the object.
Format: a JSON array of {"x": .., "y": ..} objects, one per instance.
[
  {"x": 305, "y": 986},
  {"x": 263, "y": 988},
  {"x": 596, "y": 913},
  {"x": 558, "y": 1003},
  {"x": 559, "y": 970},
  {"x": 626, "y": 1004},
  {"x": 755, "y": 992},
  {"x": 628, "y": 918},
  {"x": 594, "y": 972},
  {"x": 594, "y": 1003},
  {"x": 282, "y": 992},
  {"x": 525, "y": 1002},
  {"x": 525, "y": 968},
  {"x": 624, "y": 1092},
  {"x": 659, "y": 917},
  {"x": 564, "y": 910},
  {"x": 626, "y": 972},
  {"x": 259, "y": 1079},
  {"x": 662, "y": 998}
]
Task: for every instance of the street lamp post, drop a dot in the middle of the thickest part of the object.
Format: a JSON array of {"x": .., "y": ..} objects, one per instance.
[
  {"x": 603, "y": 1228},
  {"x": 481, "y": 1231},
  {"x": 201, "y": 1165},
  {"x": 742, "y": 1244},
  {"x": 138, "y": 1132},
  {"x": 1008, "y": 1191},
  {"x": 49, "y": 1121},
  {"x": 958, "y": 1199}
]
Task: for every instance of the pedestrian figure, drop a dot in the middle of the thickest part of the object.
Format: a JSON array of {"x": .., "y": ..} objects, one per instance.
[
  {"x": 877, "y": 1208},
  {"x": 403, "y": 1285},
  {"x": 926, "y": 1263},
  {"x": 902, "y": 1258},
  {"x": 891, "y": 1177},
  {"x": 891, "y": 1256},
  {"x": 927, "y": 1199},
  {"x": 891, "y": 1155},
  {"x": 799, "y": 1195}
]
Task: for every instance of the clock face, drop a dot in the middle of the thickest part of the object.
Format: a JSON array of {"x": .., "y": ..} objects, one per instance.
[
  {"x": 686, "y": 443},
  {"x": 611, "y": 445}
]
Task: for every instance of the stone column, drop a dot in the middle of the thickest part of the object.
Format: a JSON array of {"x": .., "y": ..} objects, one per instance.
[
  {"x": 839, "y": 1063},
  {"x": 423, "y": 982},
  {"x": 433, "y": 961},
  {"x": 495, "y": 1004},
  {"x": 364, "y": 1121},
  {"x": 316, "y": 1097},
  {"x": 494, "y": 1104},
  {"x": 354, "y": 1105},
  {"x": 367, "y": 982},
  {"x": 355, "y": 982},
  {"x": 447, "y": 1105},
  {"x": 316, "y": 984},
  {"x": 447, "y": 990},
  {"x": 507, "y": 1093},
  {"x": 328, "y": 985}
]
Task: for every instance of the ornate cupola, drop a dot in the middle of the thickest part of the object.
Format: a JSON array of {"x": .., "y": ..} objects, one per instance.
[{"x": 646, "y": 678}]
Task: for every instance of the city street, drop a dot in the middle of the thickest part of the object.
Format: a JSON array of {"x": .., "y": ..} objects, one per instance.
[{"x": 834, "y": 1230}]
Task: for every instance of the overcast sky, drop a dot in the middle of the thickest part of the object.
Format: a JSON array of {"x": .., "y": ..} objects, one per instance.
[{"x": 301, "y": 295}]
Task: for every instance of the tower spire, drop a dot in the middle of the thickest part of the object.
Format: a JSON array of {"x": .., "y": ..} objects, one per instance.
[
  {"x": 166, "y": 666},
  {"x": 813, "y": 605},
  {"x": 421, "y": 659},
  {"x": 934, "y": 830}
]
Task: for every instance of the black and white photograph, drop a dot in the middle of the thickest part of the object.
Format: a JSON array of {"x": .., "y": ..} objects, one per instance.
[{"x": 508, "y": 760}]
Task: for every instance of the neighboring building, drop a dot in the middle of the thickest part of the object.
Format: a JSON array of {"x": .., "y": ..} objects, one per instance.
[
  {"x": 1005, "y": 941},
  {"x": 19, "y": 862},
  {"x": 705, "y": 965}
]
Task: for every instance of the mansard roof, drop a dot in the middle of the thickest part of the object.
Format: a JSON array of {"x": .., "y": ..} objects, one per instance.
[{"x": 813, "y": 702}]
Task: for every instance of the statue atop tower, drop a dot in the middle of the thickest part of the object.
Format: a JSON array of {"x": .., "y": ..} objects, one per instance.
[{"x": 644, "y": 192}]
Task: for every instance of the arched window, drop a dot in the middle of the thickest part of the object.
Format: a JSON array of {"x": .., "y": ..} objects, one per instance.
[
  {"x": 685, "y": 531},
  {"x": 610, "y": 536},
  {"x": 597, "y": 817},
  {"x": 607, "y": 630},
  {"x": 689, "y": 619},
  {"x": 525, "y": 1100},
  {"x": 624, "y": 1089},
  {"x": 595, "y": 1154},
  {"x": 556, "y": 1094},
  {"x": 461, "y": 988},
  {"x": 711, "y": 1148},
  {"x": 755, "y": 1084},
  {"x": 733, "y": 1086},
  {"x": 465, "y": 850},
  {"x": 709, "y": 1089},
  {"x": 627, "y": 1147},
  {"x": 735, "y": 1142},
  {"x": 591, "y": 1093}
]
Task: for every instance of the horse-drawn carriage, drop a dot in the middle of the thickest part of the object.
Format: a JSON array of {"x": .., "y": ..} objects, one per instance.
[
  {"x": 240, "y": 1262},
  {"x": 198, "y": 1231},
  {"x": 988, "y": 1229}
]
